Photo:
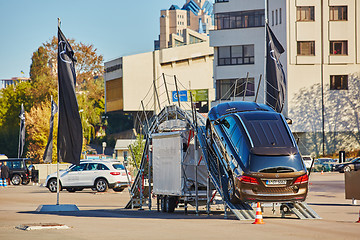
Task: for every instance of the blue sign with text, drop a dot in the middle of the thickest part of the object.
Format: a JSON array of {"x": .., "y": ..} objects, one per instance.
[{"x": 183, "y": 96}]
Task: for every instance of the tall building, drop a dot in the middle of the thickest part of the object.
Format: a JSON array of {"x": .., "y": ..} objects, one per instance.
[
  {"x": 182, "y": 50},
  {"x": 321, "y": 39},
  {"x": 187, "y": 25}
]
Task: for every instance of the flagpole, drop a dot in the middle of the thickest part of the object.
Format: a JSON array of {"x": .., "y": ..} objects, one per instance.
[
  {"x": 20, "y": 132},
  {"x": 57, "y": 164},
  {"x": 265, "y": 45}
]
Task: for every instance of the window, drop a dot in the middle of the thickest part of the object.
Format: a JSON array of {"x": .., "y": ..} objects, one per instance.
[
  {"x": 338, "y": 13},
  {"x": 306, "y": 48},
  {"x": 92, "y": 166},
  {"x": 272, "y": 14},
  {"x": 276, "y": 17},
  {"x": 102, "y": 167},
  {"x": 245, "y": 19},
  {"x": 80, "y": 167},
  {"x": 236, "y": 55},
  {"x": 338, "y": 47},
  {"x": 280, "y": 19},
  {"x": 225, "y": 88},
  {"x": 305, "y": 13},
  {"x": 338, "y": 82}
]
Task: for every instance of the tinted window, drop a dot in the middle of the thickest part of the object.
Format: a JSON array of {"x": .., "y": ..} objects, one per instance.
[
  {"x": 267, "y": 130},
  {"x": 275, "y": 164},
  {"x": 15, "y": 164},
  {"x": 102, "y": 167},
  {"x": 118, "y": 166},
  {"x": 92, "y": 166},
  {"x": 80, "y": 167}
]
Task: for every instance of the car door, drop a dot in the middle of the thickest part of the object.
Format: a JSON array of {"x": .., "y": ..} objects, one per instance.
[
  {"x": 72, "y": 176},
  {"x": 357, "y": 164},
  {"x": 89, "y": 174}
]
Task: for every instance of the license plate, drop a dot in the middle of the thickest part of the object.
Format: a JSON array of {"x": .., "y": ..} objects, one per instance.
[{"x": 275, "y": 182}]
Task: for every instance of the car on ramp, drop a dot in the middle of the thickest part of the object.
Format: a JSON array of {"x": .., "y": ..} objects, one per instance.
[{"x": 259, "y": 155}]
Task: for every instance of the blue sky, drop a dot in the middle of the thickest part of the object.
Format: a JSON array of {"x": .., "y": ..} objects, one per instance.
[{"x": 115, "y": 27}]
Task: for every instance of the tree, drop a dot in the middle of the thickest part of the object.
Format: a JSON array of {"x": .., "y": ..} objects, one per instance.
[
  {"x": 11, "y": 98},
  {"x": 37, "y": 128},
  {"x": 138, "y": 149},
  {"x": 36, "y": 95}
]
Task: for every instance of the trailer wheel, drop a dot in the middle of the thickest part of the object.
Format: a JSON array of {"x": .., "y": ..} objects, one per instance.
[
  {"x": 171, "y": 204},
  {"x": 163, "y": 200}
]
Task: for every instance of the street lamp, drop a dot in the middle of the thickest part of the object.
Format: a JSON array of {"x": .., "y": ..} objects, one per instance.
[{"x": 104, "y": 146}]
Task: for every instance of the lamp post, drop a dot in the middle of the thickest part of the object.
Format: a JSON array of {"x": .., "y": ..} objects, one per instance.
[{"x": 104, "y": 146}]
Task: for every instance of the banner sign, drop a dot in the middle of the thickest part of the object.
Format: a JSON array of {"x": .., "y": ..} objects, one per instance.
[{"x": 183, "y": 96}]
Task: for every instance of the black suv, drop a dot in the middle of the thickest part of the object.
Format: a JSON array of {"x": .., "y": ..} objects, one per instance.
[{"x": 19, "y": 173}]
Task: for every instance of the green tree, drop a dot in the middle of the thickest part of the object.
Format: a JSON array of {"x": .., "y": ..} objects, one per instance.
[
  {"x": 11, "y": 99},
  {"x": 138, "y": 149},
  {"x": 37, "y": 94}
]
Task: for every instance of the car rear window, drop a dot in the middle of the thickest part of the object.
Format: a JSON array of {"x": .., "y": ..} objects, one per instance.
[
  {"x": 275, "y": 164},
  {"x": 118, "y": 166},
  {"x": 15, "y": 164},
  {"x": 267, "y": 130}
]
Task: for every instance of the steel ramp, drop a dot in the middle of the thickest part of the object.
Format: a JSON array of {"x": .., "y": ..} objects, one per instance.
[
  {"x": 301, "y": 210},
  {"x": 241, "y": 210}
]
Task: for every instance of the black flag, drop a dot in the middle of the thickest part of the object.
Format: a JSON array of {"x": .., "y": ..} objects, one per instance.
[
  {"x": 22, "y": 131},
  {"x": 275, "y": 76},
  {"x": 69, "y": 142},
  {"x": 49, "y": 146}
]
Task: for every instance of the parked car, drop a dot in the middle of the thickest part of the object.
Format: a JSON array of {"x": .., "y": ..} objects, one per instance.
[
  {"x": 256, "y": 147},
  {"x": 348, "y": 166},
  {"x": 97, "y": 174},
  {"x": 307, "y": 161},
  {"x": 18, "y": 171},
  {"x": 327, "y": 163}
]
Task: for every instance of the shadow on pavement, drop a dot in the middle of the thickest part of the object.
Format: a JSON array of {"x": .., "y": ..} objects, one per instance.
[{"x": 125, "y": 213}]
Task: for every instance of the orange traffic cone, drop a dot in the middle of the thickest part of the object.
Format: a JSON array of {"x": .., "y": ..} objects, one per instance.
[
  {"x": 322, "y": 172},
  {"x": 259, "y": 218},
  {"x": 358, "y": 221}
]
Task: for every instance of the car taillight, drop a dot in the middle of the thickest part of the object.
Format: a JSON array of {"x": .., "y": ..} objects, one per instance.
[
  {"x": 302, "y": 179},
  {"x": 115, "y": 173},
  {"x": 247, "y": 179}
]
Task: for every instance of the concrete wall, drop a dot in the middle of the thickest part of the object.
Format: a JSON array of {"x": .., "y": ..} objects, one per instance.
[{"x": 46, "y": 169}]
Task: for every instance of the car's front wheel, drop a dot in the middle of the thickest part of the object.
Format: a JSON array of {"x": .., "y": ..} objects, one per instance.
[
  {"x": 347, "y": 169},
  {"x": 52, "y": 185},
  {"x": 101, "y": 185},
  {"x": 16, "y": 179}
]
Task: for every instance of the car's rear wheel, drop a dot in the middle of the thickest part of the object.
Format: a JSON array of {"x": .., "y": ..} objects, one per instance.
[
  {"x": 347, "y": 169},
  {"x": 101, "y": 185},
  {"x": 231, "y": 190},
  {"x": 16, "y": 179},
  {"x": 52, "y": 185}
]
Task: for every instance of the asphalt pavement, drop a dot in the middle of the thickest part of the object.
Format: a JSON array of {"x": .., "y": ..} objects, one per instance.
[{"x": 102, "y": 216}]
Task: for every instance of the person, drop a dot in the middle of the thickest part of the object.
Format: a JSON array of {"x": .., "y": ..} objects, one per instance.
[{"x": 4, "y": 175}]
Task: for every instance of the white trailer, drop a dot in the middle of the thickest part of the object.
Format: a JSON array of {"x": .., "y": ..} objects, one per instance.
[{"x": 177, "y": 164}]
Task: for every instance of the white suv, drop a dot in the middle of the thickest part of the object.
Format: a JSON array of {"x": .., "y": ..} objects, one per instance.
[{"x": 96, "y": 174}]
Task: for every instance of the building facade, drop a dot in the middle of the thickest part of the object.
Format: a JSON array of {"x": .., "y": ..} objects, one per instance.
[
  {"x": 8, "y": 82},
  {"x": 188, "y": 24},
  {"x": 321, "y": 61},
  {"x": 129, "y": 78}
]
